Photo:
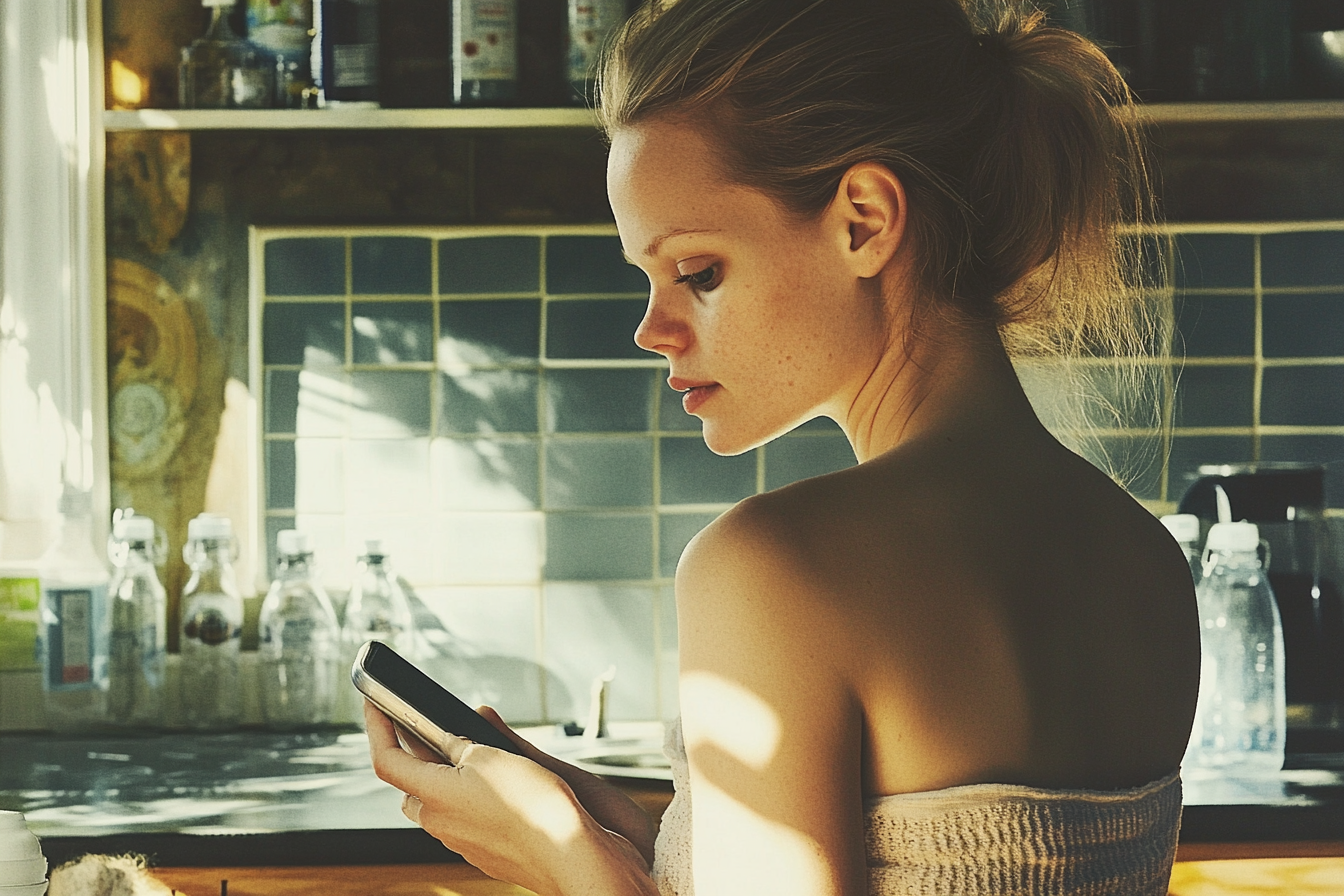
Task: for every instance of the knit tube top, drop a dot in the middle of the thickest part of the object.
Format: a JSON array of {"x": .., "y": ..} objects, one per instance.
[{"x": 999, "y": 839}]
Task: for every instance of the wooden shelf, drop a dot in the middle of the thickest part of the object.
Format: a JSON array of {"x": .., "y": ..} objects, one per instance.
[
  {"x": 485, "y": 119},
  {"x": 343, "y": 119},
  {"x": 1284, "y": 110}
]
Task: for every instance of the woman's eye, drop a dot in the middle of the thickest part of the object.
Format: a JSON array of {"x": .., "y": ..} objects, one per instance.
[{"x": 703, "y": 279}]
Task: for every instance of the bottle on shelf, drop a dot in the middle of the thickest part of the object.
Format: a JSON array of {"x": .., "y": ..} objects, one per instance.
[
  {"x": 485, "y": 52},
  {"x": 376, "y": 610},
  {"x": 74, "y": 627},
  {"x": 344, "y": 57},
  {"x": 300, "y": 641},
  {"x": 1240, "y": 720},
  {"x": 212, "y": 626},
  {"x": 220, "y": 70},
  {"x": 279, "y": 29},
  {"x": 139, "y": 625},
  {"x": 591, "y": 24}
]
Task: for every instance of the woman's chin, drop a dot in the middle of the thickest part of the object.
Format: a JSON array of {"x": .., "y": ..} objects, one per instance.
[{"x": 729, "y": 441}]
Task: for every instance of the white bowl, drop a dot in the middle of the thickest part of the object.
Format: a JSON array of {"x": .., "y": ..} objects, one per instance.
[
  {"x": 16, "y": 841},
  {"x": 22, "y": 872},
  {"x": 25, "y": 890}
]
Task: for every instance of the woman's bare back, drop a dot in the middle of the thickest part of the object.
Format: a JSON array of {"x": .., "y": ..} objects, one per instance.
[{"x": 1002, "y": 611}]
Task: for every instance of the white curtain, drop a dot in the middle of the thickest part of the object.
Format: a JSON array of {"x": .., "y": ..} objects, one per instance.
[{"x": 52, "y": 312}]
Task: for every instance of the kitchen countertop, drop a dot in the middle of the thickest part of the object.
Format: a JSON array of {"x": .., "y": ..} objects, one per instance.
[{"x": 255, "y": 798}]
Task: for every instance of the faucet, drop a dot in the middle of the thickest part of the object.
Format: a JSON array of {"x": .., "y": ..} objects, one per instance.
[{"x": 597, "y": 706}]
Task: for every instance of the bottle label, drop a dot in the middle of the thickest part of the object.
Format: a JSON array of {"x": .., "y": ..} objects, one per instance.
[
  {"x": 71, "y": 633},
  {"x": 279, "y": 25},
  {"x": 591, "y": 22},
  {"x": 485, "y": 40},
  {"x": 354, "y": 65},
  {"x": 19, "y": 597}
]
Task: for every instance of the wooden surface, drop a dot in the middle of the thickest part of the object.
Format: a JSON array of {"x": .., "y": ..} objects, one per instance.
[{"x": 1291, "y": 876}]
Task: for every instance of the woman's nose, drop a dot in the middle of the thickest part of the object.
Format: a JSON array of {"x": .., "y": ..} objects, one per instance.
[{"x": 661, "y": 330}]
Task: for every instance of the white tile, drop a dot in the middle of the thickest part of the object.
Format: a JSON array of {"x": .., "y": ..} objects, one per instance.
[
  {"x": 485, "y": 474},
  {"x": 668, "y": 666},
  {"x": 318, "y": 464},
  {"x": 387, "y": 475},
  {"x": 588, "y": 628},
  {"x": 409, "y": 540},
  {"x": 486, "y": 649},
  {"x": 324, "y": 402},
  {"x": 490, "y": 547}
]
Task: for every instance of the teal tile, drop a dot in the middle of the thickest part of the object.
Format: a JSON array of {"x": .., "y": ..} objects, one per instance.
[
  {"x": 280, "y": 474},
  {"x": 1303, "y": 326},
  {"x": 1214, "y": 261},
  {"x": 792, "y": 458},
  {"x": 487, "y": 402},
  {"x": 390, "y": 265},
  {"x": 490, "y": 331},
  {"x": 591, "y": 546},
  {"x": 392, "y": 332},
  {"x": 599, "y": 472},
  {"x": 311, "y": 333},
  {"x": 577, "y": 265},
  {"x": 601, "y": 400},
  {"x": 386, "y": 403},
  {"x": 490, "y": 264},
  {"x": 282, "y": 401},
  {"x": 692, "y": 474},
  {"x": 305, "y": 266},
  {"x": 1215, "y": 396},
  {"x": 1306, "y": 258},
  {"x": 1219, "y": 325},
  {"x": 1302, "y": 396},
  {"x": 594, "y": 328}
]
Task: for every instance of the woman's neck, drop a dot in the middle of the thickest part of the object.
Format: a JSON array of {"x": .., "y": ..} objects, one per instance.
[{"x": 955, "y": 381}]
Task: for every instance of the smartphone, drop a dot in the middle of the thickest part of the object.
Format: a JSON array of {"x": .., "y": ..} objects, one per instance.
[{"x": 416, "y": 703}]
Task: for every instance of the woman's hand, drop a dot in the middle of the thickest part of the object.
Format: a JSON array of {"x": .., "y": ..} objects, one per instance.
[
  {"x": 507, "y": 815},
  {"x": 608, "y": 805}
]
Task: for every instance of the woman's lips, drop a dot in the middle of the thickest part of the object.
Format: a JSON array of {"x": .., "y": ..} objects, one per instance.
[{"x": 693, "y": 393}]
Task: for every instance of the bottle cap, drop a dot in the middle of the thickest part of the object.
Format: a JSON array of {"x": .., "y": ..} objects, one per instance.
[
  {"x": 373, "y": 547},
  {"x": 210, "y": 525},
  {"x": 75, "y": 502},
  {"x": 292, "y": 542},
  {"x": 1184, "y": 527},
  {"x": 1233, "y": 537},
  {"x": 133, "y": 528}
]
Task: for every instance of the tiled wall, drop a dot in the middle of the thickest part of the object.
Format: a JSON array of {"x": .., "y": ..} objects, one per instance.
[
  {"x": 1260, "y": 316},
  {"x": 473, "y": 396}
]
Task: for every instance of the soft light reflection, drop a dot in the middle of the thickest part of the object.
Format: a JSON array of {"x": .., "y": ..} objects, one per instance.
[
  {"x": 743, "y": 725},
  {"x": 127, "y": 87}
]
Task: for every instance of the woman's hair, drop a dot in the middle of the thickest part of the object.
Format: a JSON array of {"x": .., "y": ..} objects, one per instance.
[{"x": 1018, "y": 145}]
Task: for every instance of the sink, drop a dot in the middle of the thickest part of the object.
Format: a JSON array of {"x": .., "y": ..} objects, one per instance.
[{"x": 634, "y": 749}]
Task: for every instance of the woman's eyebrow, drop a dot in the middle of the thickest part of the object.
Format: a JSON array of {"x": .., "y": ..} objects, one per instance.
[{"x": 657, "y": 241}]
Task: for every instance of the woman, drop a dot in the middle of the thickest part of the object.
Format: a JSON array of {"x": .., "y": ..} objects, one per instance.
[{"x": 968, "y": 664}]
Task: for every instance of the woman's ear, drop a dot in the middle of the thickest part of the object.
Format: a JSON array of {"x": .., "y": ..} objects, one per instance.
[{"x": 870, "y": 205}]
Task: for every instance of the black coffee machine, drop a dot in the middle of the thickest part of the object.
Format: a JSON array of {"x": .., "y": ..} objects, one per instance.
[{"x": 1287, "y": 502}]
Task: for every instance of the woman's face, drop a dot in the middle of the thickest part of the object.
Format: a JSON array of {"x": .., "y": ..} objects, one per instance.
[{"x": 763, "y": 325}]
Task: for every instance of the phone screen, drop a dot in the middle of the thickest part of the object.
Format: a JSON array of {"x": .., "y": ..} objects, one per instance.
[{"x": 427, "y": 697}]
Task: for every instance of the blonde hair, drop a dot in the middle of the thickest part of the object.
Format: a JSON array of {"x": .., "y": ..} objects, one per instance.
[{"x": 1018, "y": 145}]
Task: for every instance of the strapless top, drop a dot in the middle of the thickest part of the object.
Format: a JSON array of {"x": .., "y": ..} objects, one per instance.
[{"x": 999, "y": 839}]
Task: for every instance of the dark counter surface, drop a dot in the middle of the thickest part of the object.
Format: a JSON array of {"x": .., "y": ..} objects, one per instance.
[{"x": 310, "y": 798}]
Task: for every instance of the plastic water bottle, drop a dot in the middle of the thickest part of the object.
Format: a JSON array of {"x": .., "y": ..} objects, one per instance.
[
  {"x": 212, "y": 626},
  {"x": 139, "y": 625},
  {"x": 74, "y": 629},
  {"x": 1240, "y": 721},
  {"x": 1184, "y": 527},
  {"x": 377, "y": 609},
  {"x": 300, "y": 641}
]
